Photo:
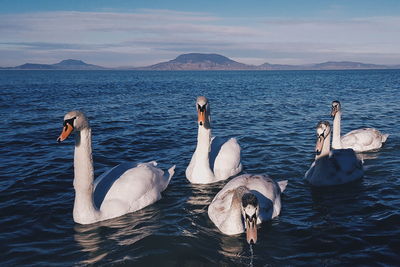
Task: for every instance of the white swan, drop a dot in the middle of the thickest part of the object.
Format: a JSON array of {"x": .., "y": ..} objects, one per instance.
[
  {"x": 123, "y": 189},
  {"x": 334, "y": 167},
  {"x": 213, "y": 160},
  {"x": 359, "y": 140},
  {"x": 244, "y": 202}
]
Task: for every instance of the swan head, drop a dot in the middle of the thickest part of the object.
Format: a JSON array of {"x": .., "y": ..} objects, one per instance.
[
  {"x": 203, "y": 112},
  {"x": 323, "y": 131},
  {"x": 250, "y": 210},
  {"x": 336, "y": 107},
  {"x": 73, "y": 121}
]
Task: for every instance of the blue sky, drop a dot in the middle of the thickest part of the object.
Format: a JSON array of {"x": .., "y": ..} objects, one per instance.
[{"x": 137, "y": 33}]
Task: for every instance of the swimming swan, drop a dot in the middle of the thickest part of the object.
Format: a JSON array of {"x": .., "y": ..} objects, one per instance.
[
  {"x": 335, "y": 167},
  {"x": 123, "y": 189},
  {"x": 359, "y": 140},
  {"x": 224, "y": 158},
  {"x": 244, "y": 202}
]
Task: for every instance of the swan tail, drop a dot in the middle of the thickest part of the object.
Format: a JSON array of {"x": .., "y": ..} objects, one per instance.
[
  {"x": 153, "y": 162},
  {"x": 167, "y": 177},
  {"x": 171, "y": 172},
  {"x": 384, "y": 137},
  {"x": 282, "y": 185}
]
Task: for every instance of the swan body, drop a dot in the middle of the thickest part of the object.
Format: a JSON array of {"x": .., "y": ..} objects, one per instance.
[
  {"x": 123, "y": 189},
  {"x": 233, "y": 211},
  {"x": 359, "y": 140},
  {"x": 334, "y": 167},
  {"x": 214, "y": 159}
]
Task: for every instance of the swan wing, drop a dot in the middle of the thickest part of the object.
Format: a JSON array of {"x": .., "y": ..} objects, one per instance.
[
  {"x": 219, "y": 208},
  {"x": 339, "y": 167},
  {"x": 344, "y": 160},
  {"x": 268, "y": 194},
  {"x": 221, "y": 211},
  {"x": 135, "y": 189},
  {"x": 363, "y": 139},
  {"x": 103, "y": 183},
  {"x": 227, "y": 161},
  {"x": 348, "y": 166}
]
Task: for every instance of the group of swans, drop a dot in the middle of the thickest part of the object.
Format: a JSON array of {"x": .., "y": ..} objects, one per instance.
[
  {"x": 244, "y": 202},
  {"x": 340, "y": 165}
]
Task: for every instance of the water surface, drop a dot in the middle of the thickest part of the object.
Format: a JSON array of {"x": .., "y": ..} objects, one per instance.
[{"x": 143, "y": 116}]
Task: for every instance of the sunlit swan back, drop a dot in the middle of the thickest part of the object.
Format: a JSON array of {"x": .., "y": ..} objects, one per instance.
[
  {"x": 334, "y": 167},
  {"x": 214, "y": 159},
  {"x": 359, "y": 140},
  {"x": 123, "y": 189},
  {"x": 244, "y": 202}
]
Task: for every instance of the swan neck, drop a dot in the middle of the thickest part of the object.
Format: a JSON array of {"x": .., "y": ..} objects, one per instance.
[
  {"x": 336, "y": 143},
  {"x": 234, "y": 221},
  {"x": 203, "y": 142},
  {"x": 326, "y": 147},
  {"x": 84, "y": 209}
]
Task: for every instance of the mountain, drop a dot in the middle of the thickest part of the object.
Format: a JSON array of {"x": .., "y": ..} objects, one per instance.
[
  {"x": 332, "y": 65},
  {"x": 267, "y": 66},
  {"x": 33, "y": 66},
  {"x": 197, "y": 61},
  {"x": 329, "y": 65},
  {"x": 69, "y": 64},
  {"x": 76, "y": 65}
]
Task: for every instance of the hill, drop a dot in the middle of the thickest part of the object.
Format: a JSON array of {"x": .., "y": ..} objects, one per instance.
[
  {"x": 197, "y": 61},
  {"x": 69, "y": 64}
]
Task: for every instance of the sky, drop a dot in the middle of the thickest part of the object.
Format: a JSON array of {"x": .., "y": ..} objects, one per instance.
[{"x": 140, "y": 33}]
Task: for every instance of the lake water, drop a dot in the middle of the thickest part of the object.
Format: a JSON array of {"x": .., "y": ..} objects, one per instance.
[{"x": 143, "y": 116}]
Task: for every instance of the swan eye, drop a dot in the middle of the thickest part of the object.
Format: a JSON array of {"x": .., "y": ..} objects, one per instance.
[
  {"x": 69, "y": 121},
  {"x": 201, "y": 108},
  {"x": 252, "y": 217}
]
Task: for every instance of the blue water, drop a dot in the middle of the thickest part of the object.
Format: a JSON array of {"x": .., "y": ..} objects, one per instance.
[{"x": 143, "y": 116}]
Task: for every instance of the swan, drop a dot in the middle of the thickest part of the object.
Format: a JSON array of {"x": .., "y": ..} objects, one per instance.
[
  {"x": 359, "y": 140},
  {"x": 123, "y": 189},
  {"x": 213, "y": 160},
  {"x": 335, "y": 167},
  {"x": 244, "y": 202}
]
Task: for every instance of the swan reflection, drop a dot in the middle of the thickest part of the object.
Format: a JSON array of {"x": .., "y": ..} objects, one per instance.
[{"x": 96, "y": 239}]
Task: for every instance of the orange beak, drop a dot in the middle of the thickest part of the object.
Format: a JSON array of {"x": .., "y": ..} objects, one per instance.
[
  {"x": 251, "y": 231},
  {"x": 320, "y": 143},
  {"x": 201, "y": 117},
  {"x": 67, "y": 130}
]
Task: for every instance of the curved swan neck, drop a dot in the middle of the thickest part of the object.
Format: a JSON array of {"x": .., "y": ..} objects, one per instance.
[
  {"x": 84, "y": 209},
  {"x": 326, "y": 147},
  {"x": 233, "y": 220},
  {"x": 336, "y": 143}
]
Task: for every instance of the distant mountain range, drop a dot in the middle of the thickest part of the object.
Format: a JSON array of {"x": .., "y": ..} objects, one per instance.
[
  {"x": 198, "y": 61},
  {"x": 68, "y": 64}
]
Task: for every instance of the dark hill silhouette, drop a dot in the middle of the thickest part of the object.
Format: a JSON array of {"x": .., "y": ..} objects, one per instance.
[
  {"x": 68, "y": 64},
  {"x": 198, "y": 61}
]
